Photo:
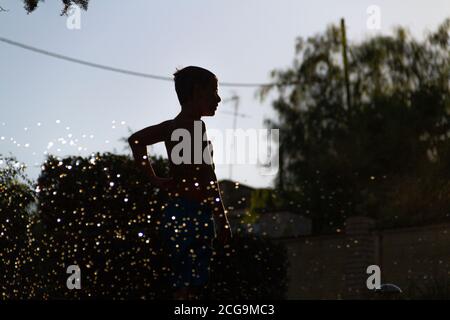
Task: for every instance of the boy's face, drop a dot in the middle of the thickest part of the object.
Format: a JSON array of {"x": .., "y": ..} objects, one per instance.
[{"x": 207, "y": 99}]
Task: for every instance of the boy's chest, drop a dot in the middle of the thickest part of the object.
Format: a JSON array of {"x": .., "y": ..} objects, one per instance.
[
  {"x": 190, "y": 152},
  {"x": 188, "y": 143}
]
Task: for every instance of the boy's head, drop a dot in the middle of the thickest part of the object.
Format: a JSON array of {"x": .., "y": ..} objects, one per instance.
[{"x": 197, "y": 88}]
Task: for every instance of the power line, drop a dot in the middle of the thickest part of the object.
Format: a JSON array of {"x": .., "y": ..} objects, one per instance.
[
  {"x": 242, "y": 115},
  {"x": 114, "y": 69}
]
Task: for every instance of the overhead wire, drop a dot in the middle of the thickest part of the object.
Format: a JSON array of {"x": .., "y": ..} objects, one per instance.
[{"x": 115, "y": 69}]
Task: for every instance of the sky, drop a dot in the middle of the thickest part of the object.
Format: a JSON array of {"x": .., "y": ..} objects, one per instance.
[{"x": 45, "y": 103}]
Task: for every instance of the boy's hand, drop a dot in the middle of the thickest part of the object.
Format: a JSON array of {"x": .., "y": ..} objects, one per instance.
[{"x": 224, "y": 233}]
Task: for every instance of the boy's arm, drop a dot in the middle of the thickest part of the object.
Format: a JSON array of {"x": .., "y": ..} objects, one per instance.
[{"x": 140, "y": 140}]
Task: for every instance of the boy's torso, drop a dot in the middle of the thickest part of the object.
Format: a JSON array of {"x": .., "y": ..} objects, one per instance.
[{"x": 190, "y": 158}]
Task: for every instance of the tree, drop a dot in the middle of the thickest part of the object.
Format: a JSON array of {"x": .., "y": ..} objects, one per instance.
[
  {"x": 31, "y": 5},
  {"x": 16, "y": 196},
  {"x": 99, "y": 213},
  {"x": 387, "y": 156}
]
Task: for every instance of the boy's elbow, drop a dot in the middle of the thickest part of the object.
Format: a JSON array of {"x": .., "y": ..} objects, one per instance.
[{"x": 132, "y": 140}]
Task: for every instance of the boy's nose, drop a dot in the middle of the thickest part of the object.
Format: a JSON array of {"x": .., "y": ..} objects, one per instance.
[{"x": 218, "y": 99}]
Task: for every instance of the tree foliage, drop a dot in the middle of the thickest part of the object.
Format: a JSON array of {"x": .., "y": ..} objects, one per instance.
[
  {"x": 97, "y": 212},
  {"x": 386, "y": 155},
  {"x": 31, "y": 5},
  {"x": 16, "y": 197},
  {"x": 101, "y": 214}
]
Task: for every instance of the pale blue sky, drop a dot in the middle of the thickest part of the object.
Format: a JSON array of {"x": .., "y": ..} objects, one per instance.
[{"x": 240, "y": 41}]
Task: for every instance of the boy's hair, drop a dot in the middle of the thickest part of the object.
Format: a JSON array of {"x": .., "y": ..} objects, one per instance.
[{"x": 187, "y": 78}]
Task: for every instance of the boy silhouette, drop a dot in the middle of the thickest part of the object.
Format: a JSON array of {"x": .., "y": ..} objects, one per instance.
[{"x": 195, "y": 214}]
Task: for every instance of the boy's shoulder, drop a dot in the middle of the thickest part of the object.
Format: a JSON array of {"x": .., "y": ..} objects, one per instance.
[
  {"x": 166, "y": 126},
  {"x": 176, "y": 123}
]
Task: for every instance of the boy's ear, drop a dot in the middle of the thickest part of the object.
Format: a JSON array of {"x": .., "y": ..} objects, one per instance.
[{"x": 196, "y": 90}]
